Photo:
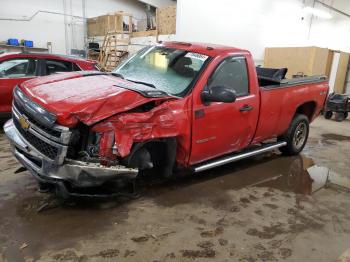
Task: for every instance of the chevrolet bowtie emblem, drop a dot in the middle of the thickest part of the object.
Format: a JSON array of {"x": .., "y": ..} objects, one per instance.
[{"x": 23, "y": 122}]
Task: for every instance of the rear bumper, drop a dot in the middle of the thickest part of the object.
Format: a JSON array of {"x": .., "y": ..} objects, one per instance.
[{"x": 77, "y": 173}]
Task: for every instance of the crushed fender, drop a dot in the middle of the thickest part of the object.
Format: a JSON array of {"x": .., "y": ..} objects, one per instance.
[{"x": 123, "y": 130}]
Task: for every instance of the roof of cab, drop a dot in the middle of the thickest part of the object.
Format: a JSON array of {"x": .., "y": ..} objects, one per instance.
[
  {"x": 31, "y": 54},
  {"x": 204, "y": 48}
]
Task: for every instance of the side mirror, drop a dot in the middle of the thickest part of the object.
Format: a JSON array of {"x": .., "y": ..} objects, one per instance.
[{"x": 218, "y": 94}]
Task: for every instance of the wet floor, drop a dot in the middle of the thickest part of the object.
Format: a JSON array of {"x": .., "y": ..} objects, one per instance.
[
  {"x": 263, "y": 209},
  {"x": 336, "y": 137},
  {"x": 37, "y": 219}
]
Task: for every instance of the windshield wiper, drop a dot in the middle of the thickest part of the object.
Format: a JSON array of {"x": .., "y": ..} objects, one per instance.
[
  {"x": 118, "y": 75},
  {"x": 142, "y": 83}
]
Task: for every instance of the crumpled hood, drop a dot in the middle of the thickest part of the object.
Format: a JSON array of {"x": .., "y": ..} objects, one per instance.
[{"x": 88, "y": 97}]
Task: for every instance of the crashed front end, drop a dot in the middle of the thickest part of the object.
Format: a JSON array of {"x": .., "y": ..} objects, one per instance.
[{"x": 49, "y": 151}]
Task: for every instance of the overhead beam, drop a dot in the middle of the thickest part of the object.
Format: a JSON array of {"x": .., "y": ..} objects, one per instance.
[{"x": 332, "y": 8}]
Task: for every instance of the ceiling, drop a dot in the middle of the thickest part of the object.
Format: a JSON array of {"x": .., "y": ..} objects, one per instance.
[{"x": 158, "y": 3}]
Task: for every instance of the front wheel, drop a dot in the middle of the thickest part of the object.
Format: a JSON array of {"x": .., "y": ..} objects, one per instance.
[
  {"x": 296, "y": 136},
  {"x": 328, "y": 114}
]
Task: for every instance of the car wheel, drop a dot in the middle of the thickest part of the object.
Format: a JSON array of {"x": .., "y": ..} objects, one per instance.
[
  {"x": 340, "y": 116},
  {"x": 328, "y": 114},
  {"x": 296, "y": 136},
  {"x": 345, "y": 115}
]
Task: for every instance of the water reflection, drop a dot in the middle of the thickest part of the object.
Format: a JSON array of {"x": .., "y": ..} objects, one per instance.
[{"x": 304, "y": 177}]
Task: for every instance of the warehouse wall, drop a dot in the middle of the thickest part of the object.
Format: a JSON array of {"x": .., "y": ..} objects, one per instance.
[
  {"x": 45, "y": 28},
  {"x": 256, "y": 24},
  {"x": 333, "y": 33}
]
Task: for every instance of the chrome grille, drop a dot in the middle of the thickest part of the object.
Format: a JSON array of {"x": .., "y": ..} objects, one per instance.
[
  {"x": 48, "y": 130},
  {"x": 43, "y": 147},
  {"x": 50, "y": 141}
]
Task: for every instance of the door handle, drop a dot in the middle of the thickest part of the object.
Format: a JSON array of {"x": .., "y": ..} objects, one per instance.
[{"x": 246, "y": 108}]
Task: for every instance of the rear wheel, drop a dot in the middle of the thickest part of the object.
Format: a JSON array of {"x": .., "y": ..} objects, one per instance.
[
  {"x": 328, "y": 114},
  {"x": 296, "y": 136},
  {"x": 340, "y": 116}
]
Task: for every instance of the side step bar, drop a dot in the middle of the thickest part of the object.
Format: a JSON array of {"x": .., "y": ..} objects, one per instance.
[{"x": 228, "y": 159}]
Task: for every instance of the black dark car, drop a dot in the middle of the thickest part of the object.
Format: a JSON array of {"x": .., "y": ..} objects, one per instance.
[{"x": 338, "y": 104}]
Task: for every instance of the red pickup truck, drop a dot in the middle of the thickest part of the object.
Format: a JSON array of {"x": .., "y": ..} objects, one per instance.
[
  {"x": 170, "y": 106},
  {"x": 16, "y": 68}
]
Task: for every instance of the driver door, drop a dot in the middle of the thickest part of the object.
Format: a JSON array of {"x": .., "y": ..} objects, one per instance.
[
  {"x": 219, "y": 128},
  {"x": 13, "y": 72}
]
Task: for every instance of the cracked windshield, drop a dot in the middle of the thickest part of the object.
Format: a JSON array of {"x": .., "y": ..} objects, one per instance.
[{"x": 167, "y": 69}]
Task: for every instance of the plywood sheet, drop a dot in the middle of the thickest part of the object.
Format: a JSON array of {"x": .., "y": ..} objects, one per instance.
[
  {"x": 299, "y": 60},
  {"x": 294, "y": 58},
  {"x": 329, "y": 63},
  {"x": 339, "y": 85},
  {"x": 166, "y": 20},
  {"x": 319, "y": 61}
]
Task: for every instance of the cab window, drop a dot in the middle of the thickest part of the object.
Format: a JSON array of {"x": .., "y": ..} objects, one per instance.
[
  {"x": 15, "y": 68},
  {"x": 58, "y": 66},
  {"x": 232, "y": 73}
]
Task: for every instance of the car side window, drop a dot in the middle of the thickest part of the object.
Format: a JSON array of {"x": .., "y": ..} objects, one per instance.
[
  {"x": 57, "y": 66},
  {"x": 15, "y": 68},
  {"x": 76, "y": 67},
  {"x": 232, "y": 73}
]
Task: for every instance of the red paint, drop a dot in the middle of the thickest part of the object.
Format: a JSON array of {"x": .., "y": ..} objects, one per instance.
[
  {"x": 74, "y": 98},
  {"x": 220, "y": 129},
  {"x": 7, "y": 84}
]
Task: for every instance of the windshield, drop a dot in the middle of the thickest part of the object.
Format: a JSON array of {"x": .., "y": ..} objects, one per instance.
[
  {"x": 166, "y": 69},
  {"x": 4, "y": 66}
]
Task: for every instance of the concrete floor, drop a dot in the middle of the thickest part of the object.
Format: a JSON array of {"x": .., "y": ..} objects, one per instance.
[{"x": 269, "y": 208}]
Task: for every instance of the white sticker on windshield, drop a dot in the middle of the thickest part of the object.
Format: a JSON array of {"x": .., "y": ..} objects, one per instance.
[{"x": 196, "y": 56}]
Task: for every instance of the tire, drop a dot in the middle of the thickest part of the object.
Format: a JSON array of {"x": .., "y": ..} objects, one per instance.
[
  {"x": 328, "y": 114},
  {"x": 346, "y": 115},
  {"x": 340, "y": 116},
  {"x": 296, "y": 136}
]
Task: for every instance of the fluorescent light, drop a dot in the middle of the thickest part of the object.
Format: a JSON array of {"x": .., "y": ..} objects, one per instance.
[{"x": 317, "y": 12}]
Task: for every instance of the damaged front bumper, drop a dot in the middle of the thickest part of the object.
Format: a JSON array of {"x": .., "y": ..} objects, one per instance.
[{"x": 77, "y": 173}]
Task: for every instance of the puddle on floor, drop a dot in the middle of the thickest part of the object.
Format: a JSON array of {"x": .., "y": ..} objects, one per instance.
[
  {"x": 296, "y": 174},
  {"x": 309, "y": 180},
  {"x": 336, "y": 137}
]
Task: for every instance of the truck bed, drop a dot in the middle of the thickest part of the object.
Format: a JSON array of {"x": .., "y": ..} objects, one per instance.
[
  {"x": 276, "y": 77},
  {"x": 271, "y": 83},
  {"x": 278, "y": 102}
]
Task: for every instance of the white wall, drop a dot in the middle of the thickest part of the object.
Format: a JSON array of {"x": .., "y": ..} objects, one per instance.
[
  {"x": 333, "y": 33},
  {"x": 256, "y": 24},
  {"x": 45, "y": 27}
]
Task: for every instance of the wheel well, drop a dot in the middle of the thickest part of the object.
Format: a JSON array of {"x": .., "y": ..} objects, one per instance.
[
  {"x": 153, "y": 154},
  {"x": 307, "y": 109}
]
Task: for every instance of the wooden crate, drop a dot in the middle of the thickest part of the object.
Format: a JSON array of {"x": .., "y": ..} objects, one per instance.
[{"x": 101, "y": 25}]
